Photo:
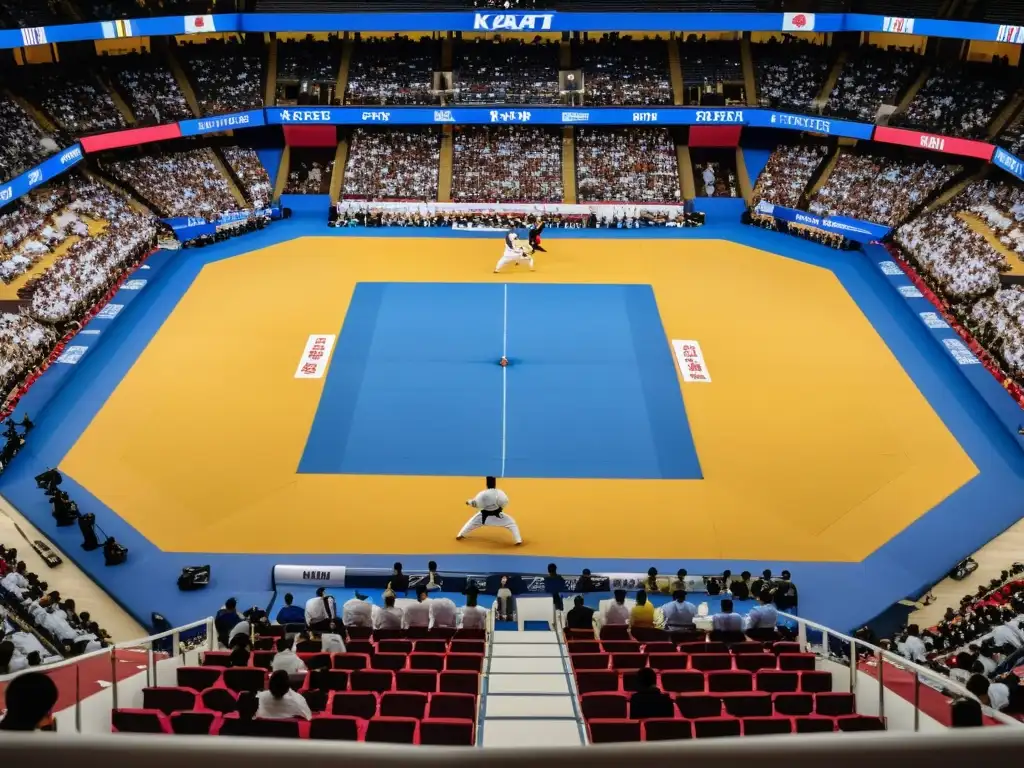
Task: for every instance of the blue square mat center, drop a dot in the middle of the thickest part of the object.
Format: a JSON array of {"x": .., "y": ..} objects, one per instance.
[{"x": 414, "y": 385}]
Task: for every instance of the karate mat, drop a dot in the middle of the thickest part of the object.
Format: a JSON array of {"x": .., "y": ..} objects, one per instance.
[{"x": 833, "y": 439}]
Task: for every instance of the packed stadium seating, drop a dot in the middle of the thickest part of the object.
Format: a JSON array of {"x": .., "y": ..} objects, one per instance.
[
  {"x": 790, "y": 73},
  {"x": 626, "y": 164},
  {"x": 227, "y": 75},
  {"x": 786, "y": 175},
  {"x": 392, "y": 165},
  {"x": 507, "y": 164},
  {"x": 624, "y": 70},
  {"x": 393, "y": 70},
  {"x": 870, "y": 78},
  {"x": 510, "y": 71},
  {"x": 149, "y": 88}
]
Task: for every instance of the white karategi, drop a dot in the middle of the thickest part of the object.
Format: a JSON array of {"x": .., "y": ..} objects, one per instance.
[
  {"x": 514, "y": 253},
  {"x": 491, "y": 504}
]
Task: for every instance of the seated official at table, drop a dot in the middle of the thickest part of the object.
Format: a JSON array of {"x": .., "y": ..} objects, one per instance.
[
  {"x": 727, "y": 620},
  {"x": 763, "y": 615},
  {"x": 679, "y": 613}
]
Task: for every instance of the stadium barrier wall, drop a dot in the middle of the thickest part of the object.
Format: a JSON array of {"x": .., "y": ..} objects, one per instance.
[
  {"x": 852, "y": 229},
  {"x": 560, "y": 116},
  {"x": 489, "y": 21}
]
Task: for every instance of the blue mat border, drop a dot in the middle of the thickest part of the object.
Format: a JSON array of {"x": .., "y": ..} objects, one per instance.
[{"x": 843, "y": 595}]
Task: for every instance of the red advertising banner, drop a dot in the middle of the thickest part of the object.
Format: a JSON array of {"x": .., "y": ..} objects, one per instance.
[
  {"x": 130, "y": 137},
  {"x": 715, "y": 135},
  {"x": 948, "y": 144},
  {"x": 311, "y": 135}
]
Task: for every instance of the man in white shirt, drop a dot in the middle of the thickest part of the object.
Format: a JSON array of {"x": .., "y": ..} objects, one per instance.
[
  {"x": 491, "y": 504},
  {"x": 321, "y": 610},
  {"x": 763, "y": 615},
  {"x": 286, "y": 659},
  {"x": 442, "y": 612},
  {"x": 280, "y": 701},
  {"x": 617, "y": 613},
  {"x": 679, "y": 613},
  {"x": 357, "y": 613},
  {"x": 390, "y": 616},
  {"x": 1008, "y": 634},
  {"x": 418, "y": 614},
  {"x": 913, "y": 647},
  {"x": 15, "y": 581},
  {"x": 727, "y": 620},
  {"x": 473, "y": 616}
]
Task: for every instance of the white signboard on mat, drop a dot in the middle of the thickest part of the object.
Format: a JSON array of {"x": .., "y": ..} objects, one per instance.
[
  {"x": 691, "y": 361},
  {"x": 314, "y": 358}
]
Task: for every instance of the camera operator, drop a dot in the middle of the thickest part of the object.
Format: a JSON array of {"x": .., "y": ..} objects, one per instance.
[{"x": 65, "y": 511}]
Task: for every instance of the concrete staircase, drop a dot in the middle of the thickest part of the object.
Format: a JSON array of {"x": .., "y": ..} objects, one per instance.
[
  {"x": 529, "y": 693},
  {"x": 686, "y": 182},
  {"x": 444, "y": 171},
  {"x": 1006, "y": 114},
  {"x": 282, "y": 172},
  {"x": 338, "y": 175},
  {"x": 983, "y": 229},
  {"x": 117, "y": 98},
  {"x": 568, "y": 165},
  {"x": 954, "y": 190},
  {"x": 830, "y": 82},
  {"x": 675, "y": 71},
  {"x": 34, "y": 112},
  {"x": 270, "y": 94},
  {"x": 822, "y": 177},
  {"x": 743, "y": 177},
  {"x": 183, "y": 82},
  {"x": 230, "y": 178},
  {"x": 747, "y": 61}
]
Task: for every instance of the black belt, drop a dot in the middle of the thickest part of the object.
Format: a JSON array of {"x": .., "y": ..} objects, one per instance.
[{"x": 485, "y": 513}]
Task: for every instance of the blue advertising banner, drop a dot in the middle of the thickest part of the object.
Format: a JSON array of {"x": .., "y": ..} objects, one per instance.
[
  {"x": 852, "y": 229},
  {"x": 1009, "y": 163},
  {"x": 487, "y": 21},
  {"x": 52, "y": 166},
  {"x": 998, "y": 399},
  {"x": 251, "y": 119},
  {"x": 189, "y": 227}
]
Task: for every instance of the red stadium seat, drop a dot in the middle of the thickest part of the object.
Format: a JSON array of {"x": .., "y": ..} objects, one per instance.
[
  {"x": 434, "y": 661},
  {"x": 628, "y": 660},
  {"x": 716, "y": 727},
  {"x": 687, "y": 636},
  {"x": 796, "y": 661},
  {"x": 403, "y": 647},
  {"x": 372, "y": 680},
  {"x": 697, "y": 705},
  {"x": 390, "y": 634},
  {"x": 662, "y": 729},
  {"x": 361, "y": 646},
  {"x": 276, "y": 729},
  {"x": 649, "y": 634},
  {"x": 419, "y": 633},
  {"x": 169, "y": 700},
  {"x": 577, "y": 634},
  {"x": 404, "y": 704},
  {"x": 468, "y": 662},
  {"x": 358, "y": 633},
  {"x": 440, "y": 732},
  {"x": 389, "y": 661},
  {"x": 459, "y": 645},
  {"x": 816, "y": 682},
  {"x": 668, "y": 660},
  {"x": 748, "y": 646},
  {"x": 318, "y": 660},
  {"x": 316, "y": 700},
  {"x": 308, "y": 646},
  {"x": 219, "y": 700},
  {"x": 330, "y": 679},
  {"x": 776, "y": 681},
  {"x": 711, "y": 662},
  {"x": 335, "y": 728},
  {"x": 611, "y": 731},
  {"x": 620, "y": 646},
  {"x": 460, "y": 682},
  {"x": 704, "y": 647},
  {"x": 767, "y": 726},
  {"x": 240, "y": 679},
  {"x": 467, "y": 634},
  {"x": 393, "y": 730},
  {"x": 216, "y": 658},
  {"x": 659, "y": 647},
  {"x": 424, "y": 680},
  {"x": 785, "y": 647},
  {"x": 195, "y": 723},
  {"x": 834, "y": 704},
  {"x": 199, "y": 678},
  {"x": 139, "y": 721},
  {"x": 350, "y": 661},
  {"x": 814, "y": 724},
  {"x": 430, "y": 646},
  {"x": 860, "y": 723},
  {"x": 591, "y": 661},
  {"x": 754, "y": 662},
  {"x": 604, "y": 706},
  {"x": 452, "y": 706},
  {"x": 262, "y": 659},
  {"x": 361, "y": 704},
  {"x": 683, "y": 682},
  {"x": 614, "y": 632},
  {"x": 736, "y": 680},
  {"x": 593, "y": 681},
  {"x": 796, "y": 704},
  {"x": 273, "y": 630},
  {"x": 748, "y": 704}
]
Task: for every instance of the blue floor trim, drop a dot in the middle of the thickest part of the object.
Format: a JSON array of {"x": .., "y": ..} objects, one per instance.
[{"x": 917, "y": 557}]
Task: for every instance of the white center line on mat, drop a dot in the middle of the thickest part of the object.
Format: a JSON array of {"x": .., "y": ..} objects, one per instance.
[{"x": 504, "y": 380}]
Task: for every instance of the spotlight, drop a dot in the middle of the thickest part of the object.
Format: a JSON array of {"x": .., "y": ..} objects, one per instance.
[{"x": 87, "y": 525}]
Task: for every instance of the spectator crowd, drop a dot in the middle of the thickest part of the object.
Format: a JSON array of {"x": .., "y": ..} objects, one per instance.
[
  {"x": 870, "y": 78},
  {"x": 621, "y": 70},
  {"x": 254, "y": 178},
  {"x": 790, "y": 73},
  {"x": 392, "y": 165},
  {"x": 309, "y": 59},
  {"x": 507, "y": 71},
  {"x": 73, "y": 96},
  {"x": 788, "y": 172},
  {"x": 959, "y": 99},
  {"x": 151, "y": 90},
  {"x": 504, "y": 164},
  {"x": 227, "y": 77},
  {"x": 393, "y": 70},
  {"x": 626, "y": 164}
]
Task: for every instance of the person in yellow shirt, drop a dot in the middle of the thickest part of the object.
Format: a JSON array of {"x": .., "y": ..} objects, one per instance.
[{"x": 642, "y": 614}]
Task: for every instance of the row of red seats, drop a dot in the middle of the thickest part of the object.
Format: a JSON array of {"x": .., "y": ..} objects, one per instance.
[
  {"x": 608, "y": 731},
  {"x": 362, "y": 704},
  {"x": 438, "y": 662},
  {"x": 369, "y": 647},
  {"x": 365, "y": 633},
  {"x": 574, "y": 646},
  {"x": 391, "y": 730},
  {"x": 653, "y": 634},
  {"x": 704, "y": 662},
  {"x": 726, "y": 681},
  {"x": 379, "y": 680},
  {"x": 692, "y": 706}
]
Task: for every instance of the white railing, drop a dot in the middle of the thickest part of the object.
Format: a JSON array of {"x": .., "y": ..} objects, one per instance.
[{"x": 882, "y": 658}]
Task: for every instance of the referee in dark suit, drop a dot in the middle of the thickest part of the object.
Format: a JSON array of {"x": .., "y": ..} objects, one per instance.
[{"x": 534, "y": 234}]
